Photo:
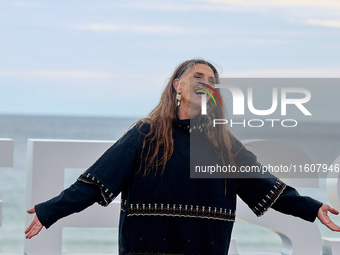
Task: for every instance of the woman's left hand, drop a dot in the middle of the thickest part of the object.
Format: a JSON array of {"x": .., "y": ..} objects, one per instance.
[{"x": 324, "y": 218}]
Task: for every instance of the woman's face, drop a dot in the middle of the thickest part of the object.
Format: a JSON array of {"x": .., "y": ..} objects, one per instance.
[{"x": 189, "y": 87}]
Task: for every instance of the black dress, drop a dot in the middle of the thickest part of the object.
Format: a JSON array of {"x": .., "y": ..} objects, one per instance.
[{"x": 173, "y": 213}]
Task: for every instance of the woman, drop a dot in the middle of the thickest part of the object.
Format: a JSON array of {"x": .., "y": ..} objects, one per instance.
[{"x": 163, "y": 210}]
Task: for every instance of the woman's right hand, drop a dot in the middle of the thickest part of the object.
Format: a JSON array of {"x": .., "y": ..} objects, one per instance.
[{"x": 35, "y": 226}]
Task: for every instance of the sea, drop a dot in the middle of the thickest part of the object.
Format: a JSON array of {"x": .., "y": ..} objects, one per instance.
[{"x": 320, "y": 141}]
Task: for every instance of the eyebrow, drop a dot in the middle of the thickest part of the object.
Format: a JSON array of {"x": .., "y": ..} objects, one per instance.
[{"x": 202, "y": 74}]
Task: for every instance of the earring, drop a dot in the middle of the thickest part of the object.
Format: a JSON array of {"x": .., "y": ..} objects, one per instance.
[{"x": 178, "y": 99}]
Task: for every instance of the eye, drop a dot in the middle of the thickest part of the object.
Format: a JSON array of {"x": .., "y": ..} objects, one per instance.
[{"x": 212, "y": 82}]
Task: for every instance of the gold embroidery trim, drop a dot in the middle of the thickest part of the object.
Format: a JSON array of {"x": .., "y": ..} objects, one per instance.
[
  {"x": 269, "y": 199},
  {"x": 178, "y": 210}
]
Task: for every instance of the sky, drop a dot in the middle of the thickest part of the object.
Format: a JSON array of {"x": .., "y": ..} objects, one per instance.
[{"x": 113, "y": 58}]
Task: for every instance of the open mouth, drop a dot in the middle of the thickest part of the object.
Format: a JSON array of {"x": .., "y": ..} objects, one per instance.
[{"x": 199, "y": 91}]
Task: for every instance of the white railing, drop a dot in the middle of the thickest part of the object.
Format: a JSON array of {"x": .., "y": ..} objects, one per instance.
[{"x": 6, "y": 160}]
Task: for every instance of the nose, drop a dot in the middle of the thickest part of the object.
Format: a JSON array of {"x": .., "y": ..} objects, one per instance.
[{"x": 207, "y": 86}]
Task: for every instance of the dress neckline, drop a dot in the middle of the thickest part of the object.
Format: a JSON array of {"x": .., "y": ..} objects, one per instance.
[{"x": 194, "y": 125}]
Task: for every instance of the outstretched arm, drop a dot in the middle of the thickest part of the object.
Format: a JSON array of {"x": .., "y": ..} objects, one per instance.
[
  {"x": 74, "y": 199},
  {"x": 291, "y": 202}
]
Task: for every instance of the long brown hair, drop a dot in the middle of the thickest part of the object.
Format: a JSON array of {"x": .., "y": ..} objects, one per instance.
[{"x": 162, "y": 119}]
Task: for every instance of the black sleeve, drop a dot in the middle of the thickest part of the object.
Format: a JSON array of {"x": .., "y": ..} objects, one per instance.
[
  {"x": 76, "y": 198},
  {"x": 290, "y": 202},
  {"x": 262, "y": 191},
  {"x": 269, "y": 192},
  {"x": 258, "y": 190},
  {"x": 260, "y": 194},
  {"x": 113, "y": 170}
]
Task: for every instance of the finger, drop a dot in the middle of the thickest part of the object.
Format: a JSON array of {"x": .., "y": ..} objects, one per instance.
[
  {"x": 332, "y": 210},
  {"x": 34, "y": 228},
  {"x": 27, "y": 230},
  {"x": 34, "y": 231},
  {"x": 31, "y": 211},
  {"x": 34, "y": 222},
  {"x": 30, "y": 234},
  {"x": 333, "y": 226},
  {"x": 30, "y": 227}
]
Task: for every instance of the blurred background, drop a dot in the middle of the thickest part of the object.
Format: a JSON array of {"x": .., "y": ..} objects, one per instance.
[{"x": 89, "y": 69}]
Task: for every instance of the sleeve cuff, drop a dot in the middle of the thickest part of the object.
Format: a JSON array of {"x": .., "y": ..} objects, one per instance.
[
  {"x": 44, "y": 212},
  {"x": 290, "y": 202},
  {"x": 269, "y": 199}
]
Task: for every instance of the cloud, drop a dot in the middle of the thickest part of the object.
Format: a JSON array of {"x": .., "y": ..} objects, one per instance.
[
  {"x": 167, "y": 6},
  {"x": 24, "y": 4},
  {"x": 53, "y": 74},
  {"x": 223, "y": 5},
  {"x": 323, "y": 13},
  {"x": 102, "y": 27},
  {"x": 295, "y": 3},
  {"x": 171, "y": 30},
  {"x": 295, "y": 11},
  {"x": 254, "y": 41},
  {"x": 132, "y": 28},
  {"x": 323, "y": 23}
]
